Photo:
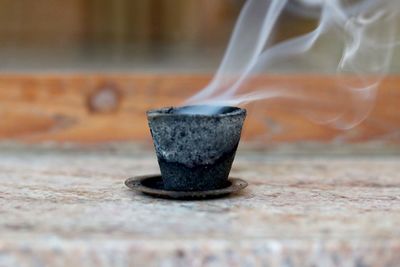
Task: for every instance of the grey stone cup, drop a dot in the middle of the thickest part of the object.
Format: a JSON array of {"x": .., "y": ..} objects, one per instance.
[{"x": 195, "y": 149}]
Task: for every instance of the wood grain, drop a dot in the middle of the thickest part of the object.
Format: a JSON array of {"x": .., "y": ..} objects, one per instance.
[{"x": 101, "y": 108}]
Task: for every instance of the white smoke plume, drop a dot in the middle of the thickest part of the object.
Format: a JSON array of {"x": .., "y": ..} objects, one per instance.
[{"x": 364, "y": 31}]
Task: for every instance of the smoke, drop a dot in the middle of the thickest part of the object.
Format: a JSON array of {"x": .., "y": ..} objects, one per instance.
[{"x": 352, "y": 40}]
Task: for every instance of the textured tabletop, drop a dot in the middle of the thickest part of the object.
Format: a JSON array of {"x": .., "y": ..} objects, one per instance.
[{"x": 69, "y": 207}]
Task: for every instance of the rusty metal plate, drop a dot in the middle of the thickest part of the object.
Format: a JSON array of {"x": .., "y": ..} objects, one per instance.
[{"x": 153, "y": 185}]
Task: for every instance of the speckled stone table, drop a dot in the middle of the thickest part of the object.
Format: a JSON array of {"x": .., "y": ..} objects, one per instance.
[{"x": 69, "y": 207}]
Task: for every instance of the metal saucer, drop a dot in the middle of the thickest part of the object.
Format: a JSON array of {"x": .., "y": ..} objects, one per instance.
[{"x": 153, "y": 185}]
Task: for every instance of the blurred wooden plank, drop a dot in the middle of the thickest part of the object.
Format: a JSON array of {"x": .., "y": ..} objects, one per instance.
[
  {"x": 41, "y": 22},
  {"x": 100, "y": 108}
]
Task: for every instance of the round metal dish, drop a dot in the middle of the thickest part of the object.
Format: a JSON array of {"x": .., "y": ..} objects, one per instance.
[{"x": 153, "y": 185}]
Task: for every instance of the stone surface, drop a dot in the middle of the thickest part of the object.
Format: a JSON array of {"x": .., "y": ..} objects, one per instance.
[
  {"x": 69, "y": 207},
  {"x": 195, "y": 139}
]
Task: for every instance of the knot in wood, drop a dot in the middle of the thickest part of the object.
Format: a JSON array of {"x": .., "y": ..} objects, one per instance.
[{"x": 104, "y": 99}]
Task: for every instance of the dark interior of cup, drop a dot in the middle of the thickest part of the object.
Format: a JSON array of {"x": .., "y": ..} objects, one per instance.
[{"x": 202, "y": 110}]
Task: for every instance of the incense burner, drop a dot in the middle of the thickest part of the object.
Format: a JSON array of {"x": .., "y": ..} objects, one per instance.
[{"x": 195, "y": 145}]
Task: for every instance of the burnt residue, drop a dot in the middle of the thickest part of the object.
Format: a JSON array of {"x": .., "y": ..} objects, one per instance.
[{"x": 197, "y": 177}]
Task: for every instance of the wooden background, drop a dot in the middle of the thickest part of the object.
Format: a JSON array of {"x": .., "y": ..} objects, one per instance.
[
  {"x": 101, "y": 108},
  {"x": 25, "y": 22}
]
